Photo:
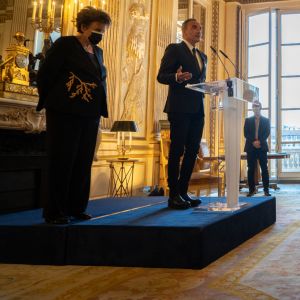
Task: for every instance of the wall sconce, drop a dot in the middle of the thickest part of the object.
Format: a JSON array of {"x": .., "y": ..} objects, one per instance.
[{"x": 124, "y": 131}]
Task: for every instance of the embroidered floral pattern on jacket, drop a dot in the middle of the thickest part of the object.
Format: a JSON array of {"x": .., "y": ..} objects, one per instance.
[{"x": 82, "y": 88}]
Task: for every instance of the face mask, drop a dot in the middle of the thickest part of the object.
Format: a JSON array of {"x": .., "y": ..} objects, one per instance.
[{"x": 95, "y": 38}]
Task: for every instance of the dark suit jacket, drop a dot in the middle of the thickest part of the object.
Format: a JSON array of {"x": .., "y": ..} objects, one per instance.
[
  {"x": 263, "y": 133},
  {"x": 181, "y": 99},
  {"x": 69, "y": 82}
]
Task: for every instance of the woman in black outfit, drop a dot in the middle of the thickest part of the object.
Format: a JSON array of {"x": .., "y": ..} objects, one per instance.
[{"x": 72, "y": 89}]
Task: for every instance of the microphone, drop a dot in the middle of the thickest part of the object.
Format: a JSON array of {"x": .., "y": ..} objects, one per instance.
[
  {"x": 215, "y": 52},
  {"x": 234, "y": 65},
  {"x": 228, "y": 81}
]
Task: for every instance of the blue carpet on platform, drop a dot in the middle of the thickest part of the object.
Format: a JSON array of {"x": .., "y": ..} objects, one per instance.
[
  {"x": 96, "y": 208},
  {"x": 25, "y": 238},
  {"x": 133, "y": 231}
]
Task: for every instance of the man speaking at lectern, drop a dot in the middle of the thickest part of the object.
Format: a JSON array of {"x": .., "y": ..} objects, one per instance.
[
  {"x": 257, "y": 131},
  {"x": 181, "y": 64}
]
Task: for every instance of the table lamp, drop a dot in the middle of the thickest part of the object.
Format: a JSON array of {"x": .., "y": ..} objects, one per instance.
[{"x": 124, "y": 131}]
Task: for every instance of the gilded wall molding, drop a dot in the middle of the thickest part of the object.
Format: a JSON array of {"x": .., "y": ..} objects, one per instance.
[
  {"x": 203, "y": 25},
  {"x": 164, "y": 36},
  {"x": 238, "y": 42},
  {"x": 111, "y": 52},
  {"x": 214, "y": 39},
  {"x": 213, "y": 128}
]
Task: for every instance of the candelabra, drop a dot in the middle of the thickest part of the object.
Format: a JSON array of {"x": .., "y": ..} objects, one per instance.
[{"x": 48, "y": 24}]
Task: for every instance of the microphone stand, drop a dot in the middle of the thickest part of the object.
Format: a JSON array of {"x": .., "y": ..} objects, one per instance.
[
  {"x": 228, "y": 81},
  {"x": 234, "y": 65}
]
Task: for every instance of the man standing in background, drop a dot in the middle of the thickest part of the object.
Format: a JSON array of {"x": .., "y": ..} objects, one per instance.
[{"x": 256, "y": 132}]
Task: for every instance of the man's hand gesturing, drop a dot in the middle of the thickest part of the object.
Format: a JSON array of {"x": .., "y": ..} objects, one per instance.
[{"x": 182, "y": 76}]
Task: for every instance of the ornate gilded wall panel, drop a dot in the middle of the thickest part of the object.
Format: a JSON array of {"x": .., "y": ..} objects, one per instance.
[
  {"x": 19, "y": 21},
  {"x": 164, "y": 36},
  {"x": 111, "y": 53},
  {"x": 135, "y": 64}
]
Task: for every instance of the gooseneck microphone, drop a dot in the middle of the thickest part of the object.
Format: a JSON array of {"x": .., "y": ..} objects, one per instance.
[
  {"x": 228, "y": 81},
  {"x": 216, "y": 53},
  {"x": 234, "y": 65}
]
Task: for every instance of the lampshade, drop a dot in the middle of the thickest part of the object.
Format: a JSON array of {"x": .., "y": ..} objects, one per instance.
[{"x": 122, "y": 126}]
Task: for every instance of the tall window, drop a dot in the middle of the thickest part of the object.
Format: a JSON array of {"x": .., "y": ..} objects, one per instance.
[
  {"x": 273, "y": 65},
  {"x": 260, "y": 68},
  {"x": 289, "y": 83}
]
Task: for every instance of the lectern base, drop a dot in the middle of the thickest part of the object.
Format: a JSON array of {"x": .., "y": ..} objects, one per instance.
[{"x": 221, "y": 206}]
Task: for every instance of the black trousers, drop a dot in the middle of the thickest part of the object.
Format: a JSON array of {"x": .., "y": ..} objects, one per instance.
[
  {"x": 252, "y": 157},
  {"x": 186, "y": 133},
  {"x": 71, "y": 143}
]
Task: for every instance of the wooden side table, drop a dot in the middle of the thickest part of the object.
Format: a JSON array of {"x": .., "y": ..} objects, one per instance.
[{"x": 121, "y": 177}]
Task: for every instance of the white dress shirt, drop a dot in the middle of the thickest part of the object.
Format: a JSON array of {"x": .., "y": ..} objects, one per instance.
[{"x": 191, "y": 47}]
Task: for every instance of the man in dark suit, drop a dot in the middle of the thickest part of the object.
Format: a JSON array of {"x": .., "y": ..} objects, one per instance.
[
  {"x": 181, "y": 64},
  {"x": 257, "y": 131}
]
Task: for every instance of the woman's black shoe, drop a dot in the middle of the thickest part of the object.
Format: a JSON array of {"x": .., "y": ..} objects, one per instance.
[
  {"x": 57, "y": 221},
  {"x": 177, "y": 202}
]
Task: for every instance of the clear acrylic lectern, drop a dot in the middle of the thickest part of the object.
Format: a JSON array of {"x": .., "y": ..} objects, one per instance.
[{"x": 233, "y": 93}]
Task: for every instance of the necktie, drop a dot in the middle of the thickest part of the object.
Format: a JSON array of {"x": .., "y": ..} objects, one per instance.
[
  {"x": 256, "y": 128},
  {"x": 196, "y": 60}
]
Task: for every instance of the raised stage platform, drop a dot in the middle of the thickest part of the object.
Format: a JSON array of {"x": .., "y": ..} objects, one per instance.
[{"x": 138, "y": 232}]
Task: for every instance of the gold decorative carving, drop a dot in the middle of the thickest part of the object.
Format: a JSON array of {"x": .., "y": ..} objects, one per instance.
[
  {"x": 18, "y": 92},
  {"x": 133, "y": 72},
  {"x": 17, "y": 88},
  {"x": 82, "y": 88},
  {"x": 21, "y": 118},
  {"x": 213, "y": 128}
]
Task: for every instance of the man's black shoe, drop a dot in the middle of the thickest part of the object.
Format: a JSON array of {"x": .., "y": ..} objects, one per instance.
[
  {"x": 82, "y": 216},
  {"x": 57, "y": 221},
  {"x": 251, "y": 193},
  {"x": 177, "y": 202},
  {"x": 267, "y": 194},
  {"x": 193, "y": 202}
]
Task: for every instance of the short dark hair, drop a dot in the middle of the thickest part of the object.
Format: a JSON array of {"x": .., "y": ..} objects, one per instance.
[
  {"x": 186, "y": 22},
  {"x": 89, "y": 14},
  {"x": 256, "y": 103}
]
